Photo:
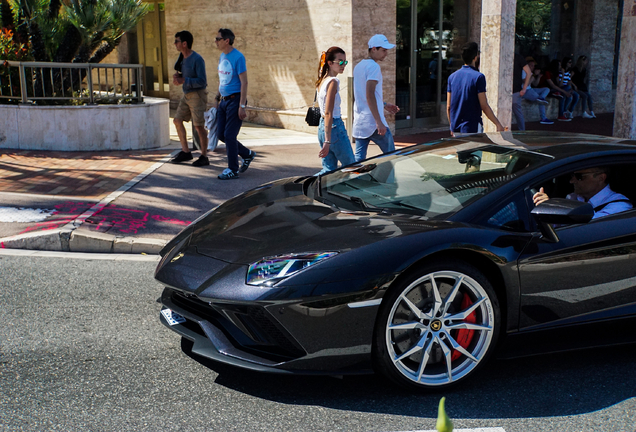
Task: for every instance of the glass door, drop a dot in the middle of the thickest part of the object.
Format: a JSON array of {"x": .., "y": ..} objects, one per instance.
[
  {"x": 404, "y": 54},
  {"x": 429, "y": 38}
]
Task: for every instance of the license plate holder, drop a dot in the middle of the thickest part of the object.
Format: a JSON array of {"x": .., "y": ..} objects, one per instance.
[{"x": 172, "y": 317}]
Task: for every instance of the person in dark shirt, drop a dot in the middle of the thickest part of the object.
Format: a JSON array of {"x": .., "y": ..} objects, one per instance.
[
  {"x": 466, "y": 96},
  {"x": 579, "y": 78}
]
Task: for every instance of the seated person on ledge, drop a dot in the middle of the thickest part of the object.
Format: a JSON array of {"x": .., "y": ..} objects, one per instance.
[{"x": 590, "y": 185}]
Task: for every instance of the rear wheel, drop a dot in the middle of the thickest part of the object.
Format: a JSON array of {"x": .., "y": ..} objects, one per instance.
[{"x": 437, "y": 327}]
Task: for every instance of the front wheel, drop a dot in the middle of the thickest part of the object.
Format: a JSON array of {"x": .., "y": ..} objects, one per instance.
[{"x": 437, "y": 327}]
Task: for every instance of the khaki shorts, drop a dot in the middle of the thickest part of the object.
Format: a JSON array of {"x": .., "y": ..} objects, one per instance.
[{"x": 192, "y": 106}]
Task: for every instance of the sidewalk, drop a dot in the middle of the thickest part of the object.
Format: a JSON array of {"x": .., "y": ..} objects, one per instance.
[{"x": 134, "y": 202}]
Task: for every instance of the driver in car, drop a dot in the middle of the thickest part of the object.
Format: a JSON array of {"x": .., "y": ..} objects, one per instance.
[{"x": 590, "y": 185}]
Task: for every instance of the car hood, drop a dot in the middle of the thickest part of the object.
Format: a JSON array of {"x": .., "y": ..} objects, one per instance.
[{"x": 277, "y": 219}]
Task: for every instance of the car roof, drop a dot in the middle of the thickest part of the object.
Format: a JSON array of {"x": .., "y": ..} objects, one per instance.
[{"x": 555, "y": 144}]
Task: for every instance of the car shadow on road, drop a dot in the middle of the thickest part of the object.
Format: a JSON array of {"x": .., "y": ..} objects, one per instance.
[{"x": 540, "y": 386}]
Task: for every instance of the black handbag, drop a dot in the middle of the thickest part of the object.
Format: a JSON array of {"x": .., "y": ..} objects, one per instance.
[{"x": 313, "y": 114}]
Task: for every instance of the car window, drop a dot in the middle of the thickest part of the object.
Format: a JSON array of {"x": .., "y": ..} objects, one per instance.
[
  {"x": 617, "y": 199},
  {"x": 511, "y": 215},
  {"x": 431, "y": 182}
]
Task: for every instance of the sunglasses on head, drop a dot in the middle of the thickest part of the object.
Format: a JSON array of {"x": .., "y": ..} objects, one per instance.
[
  {"x": 341, "y": 62},
  {"x": 580, "y": 176}
]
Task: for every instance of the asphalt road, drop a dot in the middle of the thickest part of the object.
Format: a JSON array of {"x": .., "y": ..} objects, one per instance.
[{"x": 82, "y": 349}]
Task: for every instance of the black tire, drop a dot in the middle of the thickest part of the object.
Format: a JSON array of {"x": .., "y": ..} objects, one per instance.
[{"x": 412, "y": 325}]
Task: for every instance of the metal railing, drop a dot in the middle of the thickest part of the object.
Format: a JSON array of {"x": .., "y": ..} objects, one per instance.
[{"x": 82, "y": 82}]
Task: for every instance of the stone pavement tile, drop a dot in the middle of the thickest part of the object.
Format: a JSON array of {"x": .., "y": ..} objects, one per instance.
[{"x": 86, "y": 174}]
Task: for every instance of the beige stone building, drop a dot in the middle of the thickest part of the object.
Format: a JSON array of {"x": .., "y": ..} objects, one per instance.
[{"x": 282, "y": 41}]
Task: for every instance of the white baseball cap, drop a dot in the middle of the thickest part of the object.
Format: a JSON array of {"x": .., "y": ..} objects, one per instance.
[{"x": 380, "y": 41}]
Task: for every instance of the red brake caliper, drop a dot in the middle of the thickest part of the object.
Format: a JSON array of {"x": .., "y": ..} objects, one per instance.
[{"x": 464, "y": 336}]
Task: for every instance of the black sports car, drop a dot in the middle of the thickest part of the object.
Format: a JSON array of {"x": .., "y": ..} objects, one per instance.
[{"x": 417, "y": 264}]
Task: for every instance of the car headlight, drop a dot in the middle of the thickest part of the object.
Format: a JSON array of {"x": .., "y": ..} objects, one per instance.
[{"x": 270, "y": 270}]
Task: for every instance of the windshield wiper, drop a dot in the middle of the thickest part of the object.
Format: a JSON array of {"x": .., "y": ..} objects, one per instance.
[{"x": 357, "y": 200}]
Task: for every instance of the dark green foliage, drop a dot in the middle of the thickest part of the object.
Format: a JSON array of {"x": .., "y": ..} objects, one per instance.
[
  {"x": 6, "y": 15},
  {"x": 72, "y": 30}
]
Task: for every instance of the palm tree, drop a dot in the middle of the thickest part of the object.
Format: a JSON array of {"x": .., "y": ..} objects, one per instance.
[
  {"x": 72, "y": 30},
  {"x": 78, "y": 31}
]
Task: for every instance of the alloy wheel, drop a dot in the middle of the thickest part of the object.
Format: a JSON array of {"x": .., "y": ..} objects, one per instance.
[{"x": 439, "y": 328}]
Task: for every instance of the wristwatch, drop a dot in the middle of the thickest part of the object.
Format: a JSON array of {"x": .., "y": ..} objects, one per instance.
[{"x": 242, "y": 106}]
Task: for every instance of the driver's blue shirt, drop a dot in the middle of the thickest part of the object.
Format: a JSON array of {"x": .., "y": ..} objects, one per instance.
[{"x": 606, "y": 195}]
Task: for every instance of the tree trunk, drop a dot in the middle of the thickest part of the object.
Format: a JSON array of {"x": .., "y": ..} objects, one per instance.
[
  {"x": 69, "y": 46},
  {"x": 54, "y": 8},
  {"x": 103, "y": 51},
  {"x": 38, "y": 49}
]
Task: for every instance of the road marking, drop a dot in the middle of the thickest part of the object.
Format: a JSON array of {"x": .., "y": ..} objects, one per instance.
[
  {"x": 79, "y": 255},
  {"x": 489, "y": 429},
  {"x": 22, "y": 214}
]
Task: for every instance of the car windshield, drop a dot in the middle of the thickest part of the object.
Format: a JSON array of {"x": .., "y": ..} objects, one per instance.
[{"x": 424, "y": 181}]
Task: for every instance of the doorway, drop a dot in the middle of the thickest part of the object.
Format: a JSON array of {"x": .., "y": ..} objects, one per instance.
[
  {"x": 430, "y": 34},
  {"x": 153, "y": 53}
]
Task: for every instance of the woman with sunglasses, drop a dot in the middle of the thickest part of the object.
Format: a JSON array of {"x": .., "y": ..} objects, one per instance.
[{"x": 332, "y": 135}]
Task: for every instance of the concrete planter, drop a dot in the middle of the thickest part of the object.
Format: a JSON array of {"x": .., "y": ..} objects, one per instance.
[{"x": 86, "y": 127}]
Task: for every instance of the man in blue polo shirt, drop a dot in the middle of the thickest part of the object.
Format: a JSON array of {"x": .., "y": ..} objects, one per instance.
[
  {"x": 466, "y": 96},
  {"x": 231, "y": 99}
]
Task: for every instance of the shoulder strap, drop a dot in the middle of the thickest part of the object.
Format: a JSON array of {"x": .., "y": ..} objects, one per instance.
[{"x": 602, "y": 206}]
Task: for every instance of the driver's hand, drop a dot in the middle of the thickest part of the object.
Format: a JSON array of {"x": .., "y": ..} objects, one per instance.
[{"x": 540, "y": 197}]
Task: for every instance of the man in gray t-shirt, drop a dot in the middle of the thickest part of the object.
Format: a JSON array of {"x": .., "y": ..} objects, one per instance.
[{"x": 194, "y": 101}]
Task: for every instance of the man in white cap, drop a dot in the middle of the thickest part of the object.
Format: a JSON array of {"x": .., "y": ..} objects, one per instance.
[{"x": 369, "y": 123}]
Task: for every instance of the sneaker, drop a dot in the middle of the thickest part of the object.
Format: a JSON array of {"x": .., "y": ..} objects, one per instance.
[
  {"x": 181, "y": 157},
  {"x": 546, "y": 121},
  {"x": 542, "y": 101},
  {"x": 228, "y": 174},
  {"x": 592, "y": 114},
  {"x": 564, "y": 118},
  {"x": 568, "y": 114},
  {"x": 247, "y": 161},
  {"x": 202, "y": 161},
  {"x": 586, "y": 115}
]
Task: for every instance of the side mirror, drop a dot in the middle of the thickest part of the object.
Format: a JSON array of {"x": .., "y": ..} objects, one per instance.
[
  {"x": 560, "y": 211},
  {"x": 563, "y": 211}
]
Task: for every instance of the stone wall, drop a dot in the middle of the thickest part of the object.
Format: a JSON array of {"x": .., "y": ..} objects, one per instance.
[
  {"x": 371, "y": 17},
  {"x": 282, "y": 41},
  {"x": 602, "y": 47},
  {"x": 85, "y": 127}
]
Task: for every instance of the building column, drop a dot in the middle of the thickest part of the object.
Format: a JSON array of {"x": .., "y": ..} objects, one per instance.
[
  {"x": 625, "y": 108},
  {"x": 497, "y": 57}
]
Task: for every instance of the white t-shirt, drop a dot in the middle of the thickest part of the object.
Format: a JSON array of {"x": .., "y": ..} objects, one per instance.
[
  {"x": 322, "y": 97},
  {"x": 363, "y": 121}
]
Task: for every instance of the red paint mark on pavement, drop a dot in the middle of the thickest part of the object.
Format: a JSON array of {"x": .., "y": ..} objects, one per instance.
[{"x": 123, "y": 220}]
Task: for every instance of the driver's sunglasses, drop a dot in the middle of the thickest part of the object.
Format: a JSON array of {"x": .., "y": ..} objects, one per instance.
[
  {"x": 341, "y": 62},
  {"x": 580, "y": 176}
]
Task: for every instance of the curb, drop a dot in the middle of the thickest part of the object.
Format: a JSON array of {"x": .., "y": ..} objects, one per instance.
[{"x": 68, "y": 240}]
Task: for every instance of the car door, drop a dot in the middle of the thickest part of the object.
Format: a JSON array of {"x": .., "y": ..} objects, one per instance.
[{"x": 587, "y": 277}]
